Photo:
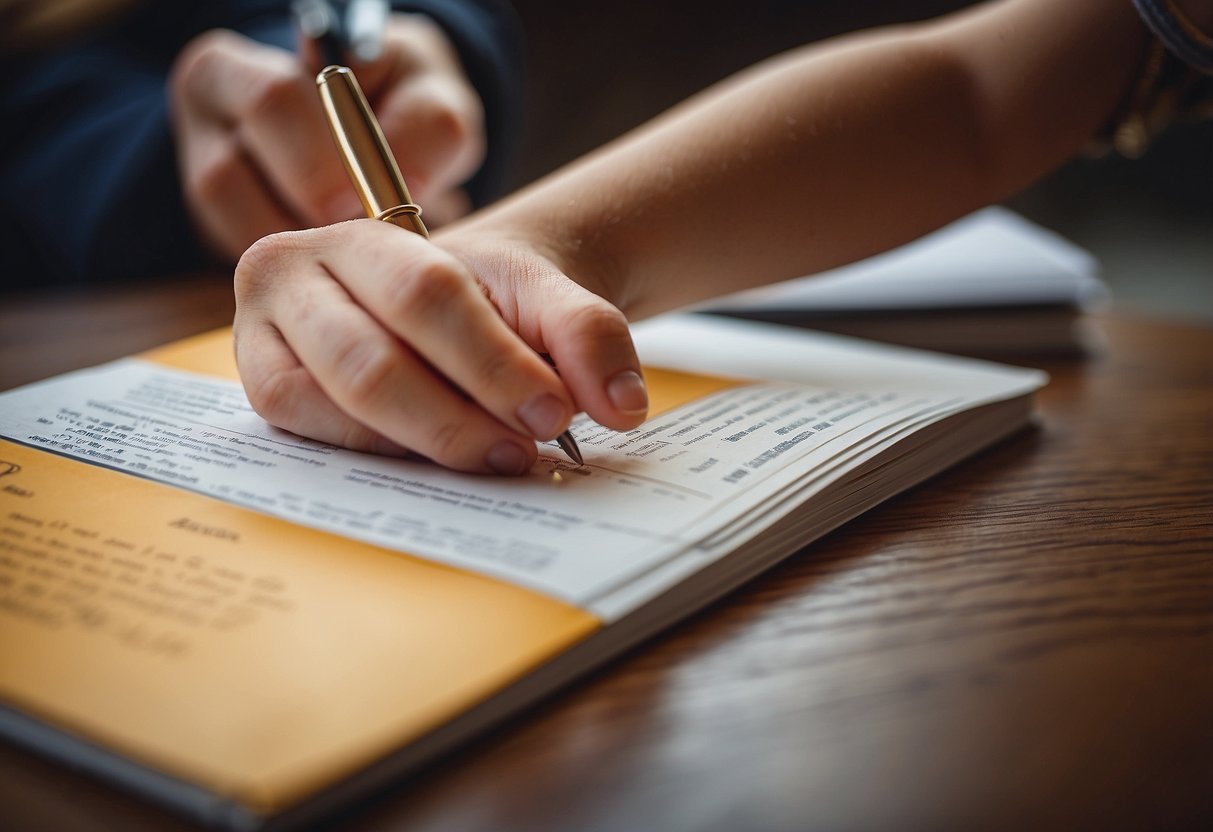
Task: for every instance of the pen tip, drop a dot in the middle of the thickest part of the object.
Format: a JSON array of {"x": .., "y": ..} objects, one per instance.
[{"x": 569, "y": 445}]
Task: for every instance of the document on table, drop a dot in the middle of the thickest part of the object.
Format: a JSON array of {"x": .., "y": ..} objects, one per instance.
[
  {"x": 240, "y": 623},
  {"x": 703, "y": 465},
  {"x": 991, "y": 258},
  {"x": 991, "y": 283}
]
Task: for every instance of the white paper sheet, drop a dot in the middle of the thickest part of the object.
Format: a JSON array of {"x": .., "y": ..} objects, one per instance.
[
  {"x": 990, "y": 258},
  {"x": 643, "y": 498}
]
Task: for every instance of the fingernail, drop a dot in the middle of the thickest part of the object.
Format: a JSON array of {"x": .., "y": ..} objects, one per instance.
[
  {"x": 543, "y": 416},
  {"x": 627, "y": 392},
  {"x": 507, "y": 458}
]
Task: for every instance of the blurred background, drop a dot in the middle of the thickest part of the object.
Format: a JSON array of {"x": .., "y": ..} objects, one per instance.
[{"x": 595, "y": 70}]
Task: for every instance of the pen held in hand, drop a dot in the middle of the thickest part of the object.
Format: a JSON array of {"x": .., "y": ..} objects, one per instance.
[
  {"x": 373, "y": 169},
  {"x": 319, "y": 22},
  {"x": 365, "y": 22},
  {"x": 341, "y": 31},
  {"x": 365, "y": 151}
]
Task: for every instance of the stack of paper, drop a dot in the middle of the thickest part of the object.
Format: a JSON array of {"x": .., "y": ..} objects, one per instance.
[
  {"x": 247, "y": 625},
  {"x": 989, "y": 284}
]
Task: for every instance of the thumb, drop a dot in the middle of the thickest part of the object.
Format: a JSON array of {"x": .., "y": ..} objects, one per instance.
[{"x": 589, "y": 342}]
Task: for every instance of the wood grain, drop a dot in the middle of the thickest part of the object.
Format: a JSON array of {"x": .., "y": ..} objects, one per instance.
[
  {"x": 1025, "y": 642},
  {"x": 44, "y": 333}
]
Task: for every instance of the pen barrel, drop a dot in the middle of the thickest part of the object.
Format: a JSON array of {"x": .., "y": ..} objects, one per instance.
[{"x": 365, "y": 151}]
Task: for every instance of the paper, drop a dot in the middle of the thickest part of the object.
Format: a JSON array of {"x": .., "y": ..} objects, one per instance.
[
  {"x": 260, "y": 616},
  {"x": 576, "y": 534},
  {"x": 232, "y": 649},
  {"x": 988, "y": 259}
]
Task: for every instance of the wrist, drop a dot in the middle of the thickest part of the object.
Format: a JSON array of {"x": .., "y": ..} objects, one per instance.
[{"x": 517, "y": 235}]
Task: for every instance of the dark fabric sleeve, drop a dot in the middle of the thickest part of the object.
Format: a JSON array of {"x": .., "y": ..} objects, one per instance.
[{"x": 89, "y": 189}]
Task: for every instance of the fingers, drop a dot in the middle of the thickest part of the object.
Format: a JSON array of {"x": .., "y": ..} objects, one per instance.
[
  {"x": 286, "y": 394},
  {"x": 586, "y": 336},
  {"x": 265, "y": 100},
  {"x": 431, "y": 115},
  {"x": 433, "y": 124},
  {"x": 366, "y": 336},
  {"x": 589, "y": 341},
  {"x": 397, "y": 342},
  {"x": 230, "y": 201},
  {"x": 426, "y": 297},
  {"x": 255, "y": 151}
]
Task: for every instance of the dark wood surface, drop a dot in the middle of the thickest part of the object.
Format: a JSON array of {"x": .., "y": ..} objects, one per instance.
[{"x": 1025, "y": 642}]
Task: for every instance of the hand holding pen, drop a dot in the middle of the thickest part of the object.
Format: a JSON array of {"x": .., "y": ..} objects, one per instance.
[
  {"x": 388, "y": 343},
  {"x": 373, "y": 170},
  {"x": 363, "y": 336},
  {"x": 256, "y": 156},
  {"x": 373, "y": 338}
]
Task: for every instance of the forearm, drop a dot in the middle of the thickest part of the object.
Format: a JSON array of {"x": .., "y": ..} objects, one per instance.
[
  {"x": 832, "y": 152},
  {"x": 377, "y": 340}
]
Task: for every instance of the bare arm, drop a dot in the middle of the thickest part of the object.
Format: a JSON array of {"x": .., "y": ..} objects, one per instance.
[
  {"x": 365, "y": 337},
  {"x": 834, "y": 152}
]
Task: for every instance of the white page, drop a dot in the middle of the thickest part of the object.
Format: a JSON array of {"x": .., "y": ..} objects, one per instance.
[
  {"x": 992, "y": 257},
  {"x": 642, "y": 498},
  {"x": 744, "y": 349}
]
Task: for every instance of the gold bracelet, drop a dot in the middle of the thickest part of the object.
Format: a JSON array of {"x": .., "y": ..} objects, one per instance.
[{"x": 1166, "y": 91}]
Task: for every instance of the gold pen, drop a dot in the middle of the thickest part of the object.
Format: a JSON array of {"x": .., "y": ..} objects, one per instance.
[{"x": 374, "y": 171}]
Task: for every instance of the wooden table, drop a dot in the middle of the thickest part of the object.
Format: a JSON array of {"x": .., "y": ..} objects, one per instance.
[{"x": 1025, "y": 642}]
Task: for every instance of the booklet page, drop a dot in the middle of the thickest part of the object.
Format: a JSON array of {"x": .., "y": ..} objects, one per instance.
[{"x": 574, "y": 533}]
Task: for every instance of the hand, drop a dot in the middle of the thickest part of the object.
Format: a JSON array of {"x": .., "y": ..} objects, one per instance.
[
  {"x": 364, "y": 335},
  {"x": 256, "y": 156}
]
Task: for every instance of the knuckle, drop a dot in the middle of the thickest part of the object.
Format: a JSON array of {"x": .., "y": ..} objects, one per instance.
[
  {"x": 417, "y": 42},
  {"x": 597, "y": 321},
  {"x": 273, "y": 397},
  {"x": 450, "y": 120},
  {"x": 439, "y": 126},
  {"x": 425, "y": 34},
  {"x": 195, "y": 65},
  {"x": 363, "y": 367},
  {"x": 496, "y": 371},
  {"x": 275, "y": 94},
  {"x": 426, "y": 288},
  {"x": 448, "y": 444},
  {"x": 441, "y": 120},
  {"x": 262, "y": 263}
]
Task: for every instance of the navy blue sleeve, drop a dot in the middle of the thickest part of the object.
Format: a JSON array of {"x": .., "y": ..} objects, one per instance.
[{"x": 89, "y": 189}]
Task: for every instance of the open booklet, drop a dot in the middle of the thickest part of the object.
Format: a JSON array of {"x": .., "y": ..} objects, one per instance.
[{"x": 254, "y": 628}]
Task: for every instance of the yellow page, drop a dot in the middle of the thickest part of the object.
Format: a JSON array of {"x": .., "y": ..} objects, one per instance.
[
  {"x": 258, "y": 658},
  {"x": 246, "y": 642}
]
